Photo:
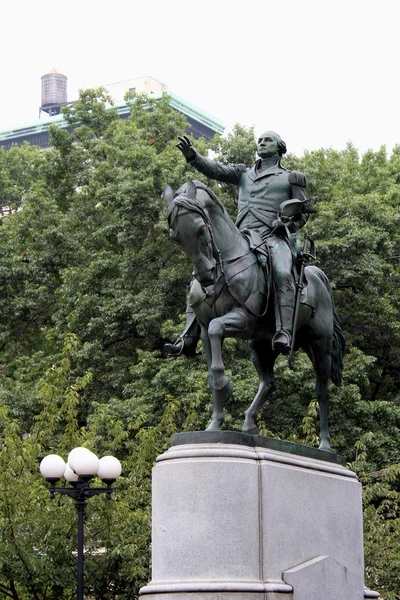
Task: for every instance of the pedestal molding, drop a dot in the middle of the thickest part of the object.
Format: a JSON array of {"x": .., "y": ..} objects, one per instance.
[
  {"x": 215, "y": 587},
  {"x": 313, "y": 464},
  {"x": 245, "y": 440},
  {"x": 207, "y": 451},
  {"x": 218, "y": 451},
  {"x": 371, "y": 594}
]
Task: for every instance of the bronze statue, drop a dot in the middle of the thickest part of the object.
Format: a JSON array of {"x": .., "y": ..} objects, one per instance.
[
  {"x": 262, "y": 190},
  {"x": 234, "y": 282}
]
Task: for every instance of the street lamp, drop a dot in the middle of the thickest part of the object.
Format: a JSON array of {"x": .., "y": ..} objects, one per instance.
[{"x": 82, "y": 465}]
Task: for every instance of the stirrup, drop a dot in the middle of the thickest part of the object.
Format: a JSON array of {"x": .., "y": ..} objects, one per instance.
[
  {"x": 186, "y": 346},
  {"x": 174, "y": 350},
  {"x": 282, "y": 341}
]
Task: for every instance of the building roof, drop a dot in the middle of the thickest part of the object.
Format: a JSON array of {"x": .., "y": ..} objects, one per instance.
[{"x": 36, "y": 129}]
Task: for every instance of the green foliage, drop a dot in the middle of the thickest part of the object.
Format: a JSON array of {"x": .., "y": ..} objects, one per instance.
[
  {"x": 381, "y": 498},
  {"x": 357, "y": 233},
  {"x": 36, "y": 533},
  {"x": 91, "y": 288},
  {"x": 91, "y": 116},
  {"x": 19, "y": 170},
  {"x": 239, "y": 146}
]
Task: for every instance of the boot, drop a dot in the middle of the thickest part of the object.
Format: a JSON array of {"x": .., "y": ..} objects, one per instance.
[
  {"x": 187, "y": 342},
  {"x": 282, "y": 340},
  {"x": 186, "y": 345}
]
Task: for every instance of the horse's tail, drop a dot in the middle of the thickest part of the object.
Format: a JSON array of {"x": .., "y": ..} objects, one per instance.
[{"x": 338, "y": 341}]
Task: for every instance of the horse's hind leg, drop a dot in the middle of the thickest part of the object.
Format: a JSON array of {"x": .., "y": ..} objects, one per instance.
[
  {"x": 263, "y": 358},
  {"x": 322, "y": 365}
]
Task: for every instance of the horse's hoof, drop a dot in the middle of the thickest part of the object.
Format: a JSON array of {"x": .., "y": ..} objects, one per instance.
[
  {"x": 252, "y": 431},
  {"x": 326, "y": 447},
  {"x": 214, "y": 426}
]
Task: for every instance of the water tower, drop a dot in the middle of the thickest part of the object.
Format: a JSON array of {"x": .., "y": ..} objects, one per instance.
[{"x": 54, "y": 92}]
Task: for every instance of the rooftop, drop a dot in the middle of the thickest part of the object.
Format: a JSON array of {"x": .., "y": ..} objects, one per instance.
[{"x": 15, "y": 133}]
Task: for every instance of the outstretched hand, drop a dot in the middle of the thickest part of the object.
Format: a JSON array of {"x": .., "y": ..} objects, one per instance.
[{"x": 186, "y": 147}]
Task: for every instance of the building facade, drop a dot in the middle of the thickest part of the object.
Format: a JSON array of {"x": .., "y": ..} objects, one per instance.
[{"x": 201, "y": 124}]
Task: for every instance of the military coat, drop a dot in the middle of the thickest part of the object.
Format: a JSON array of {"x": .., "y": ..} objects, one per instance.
[{"x": 260, "y": 193}]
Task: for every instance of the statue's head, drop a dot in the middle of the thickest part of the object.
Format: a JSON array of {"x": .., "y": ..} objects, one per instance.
[{"x": 270, "y": 144}]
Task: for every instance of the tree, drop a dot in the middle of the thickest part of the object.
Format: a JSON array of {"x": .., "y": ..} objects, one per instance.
[
  {"x": 19, "y": 169},
  {"x": 91, "y": 288}
]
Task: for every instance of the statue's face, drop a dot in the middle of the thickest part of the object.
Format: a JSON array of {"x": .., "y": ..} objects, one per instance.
[{"x": 267, "y": 145}]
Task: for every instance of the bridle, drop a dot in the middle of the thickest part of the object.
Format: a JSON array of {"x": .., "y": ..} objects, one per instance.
[{"x": 190, "y": 205}]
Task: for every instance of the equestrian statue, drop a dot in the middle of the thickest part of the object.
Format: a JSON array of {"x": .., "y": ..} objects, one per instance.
[{"x": 250, "y": 281}]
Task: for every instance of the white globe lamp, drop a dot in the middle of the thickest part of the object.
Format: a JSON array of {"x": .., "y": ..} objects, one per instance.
[
  {"x": 86, "y": 464},
  {"x": 109, "y": 469},
  {"x": 76, "y": 454},
  {"x": 70, "y": 475},
  {"x": 52, "y": 467}
]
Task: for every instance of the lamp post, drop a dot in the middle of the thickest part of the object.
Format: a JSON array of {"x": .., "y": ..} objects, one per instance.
[{"x": 82, "y": 465}]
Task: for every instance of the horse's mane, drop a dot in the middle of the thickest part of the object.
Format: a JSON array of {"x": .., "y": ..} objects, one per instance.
[
  {"x": 191, "y": 204},
  {"x": 202, "y": 186}
]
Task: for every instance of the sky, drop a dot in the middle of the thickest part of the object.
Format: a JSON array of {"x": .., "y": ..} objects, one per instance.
[{"x": 320, "y": 73}]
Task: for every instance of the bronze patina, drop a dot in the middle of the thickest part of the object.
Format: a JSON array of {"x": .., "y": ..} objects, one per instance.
[
  {"x": 261, "y": 189},
  {"x": 234, "y": 283}
]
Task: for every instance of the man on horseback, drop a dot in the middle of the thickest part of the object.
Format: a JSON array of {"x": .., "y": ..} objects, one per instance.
[{"x": 262, "y": 190}]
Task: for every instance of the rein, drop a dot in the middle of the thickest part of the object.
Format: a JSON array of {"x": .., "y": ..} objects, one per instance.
[{"x": 192, "y": 205}]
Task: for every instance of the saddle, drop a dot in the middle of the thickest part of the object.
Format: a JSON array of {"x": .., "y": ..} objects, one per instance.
[{"x": 288, "y": 209}]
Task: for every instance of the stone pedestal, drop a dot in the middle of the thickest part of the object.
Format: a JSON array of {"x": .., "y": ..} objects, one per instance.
[{"x": 239, "y": 517}]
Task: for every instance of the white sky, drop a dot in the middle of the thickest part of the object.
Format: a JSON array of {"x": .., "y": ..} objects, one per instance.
[{"x": 319, "y": 72}]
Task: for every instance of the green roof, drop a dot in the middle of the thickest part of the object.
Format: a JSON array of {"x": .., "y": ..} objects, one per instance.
[{"x": 180, "y": 104}]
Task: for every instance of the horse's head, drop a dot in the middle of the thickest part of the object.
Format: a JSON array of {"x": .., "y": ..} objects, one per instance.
[{"x": 190, "y": 228}]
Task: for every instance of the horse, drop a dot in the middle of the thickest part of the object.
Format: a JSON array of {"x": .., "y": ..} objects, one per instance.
[{"x": 231, "y": 297}]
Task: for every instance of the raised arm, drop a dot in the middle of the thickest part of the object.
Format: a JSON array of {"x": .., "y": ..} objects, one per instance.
[{"x": 209, "y": 168}]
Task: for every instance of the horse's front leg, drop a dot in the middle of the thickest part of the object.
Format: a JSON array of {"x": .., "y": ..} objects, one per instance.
[
  {"x": 218, "y": 412},
  {"x": 232, "y": 324}
]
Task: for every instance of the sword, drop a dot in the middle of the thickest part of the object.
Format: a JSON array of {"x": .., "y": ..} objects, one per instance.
[{"x": 305, "y": 257}]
